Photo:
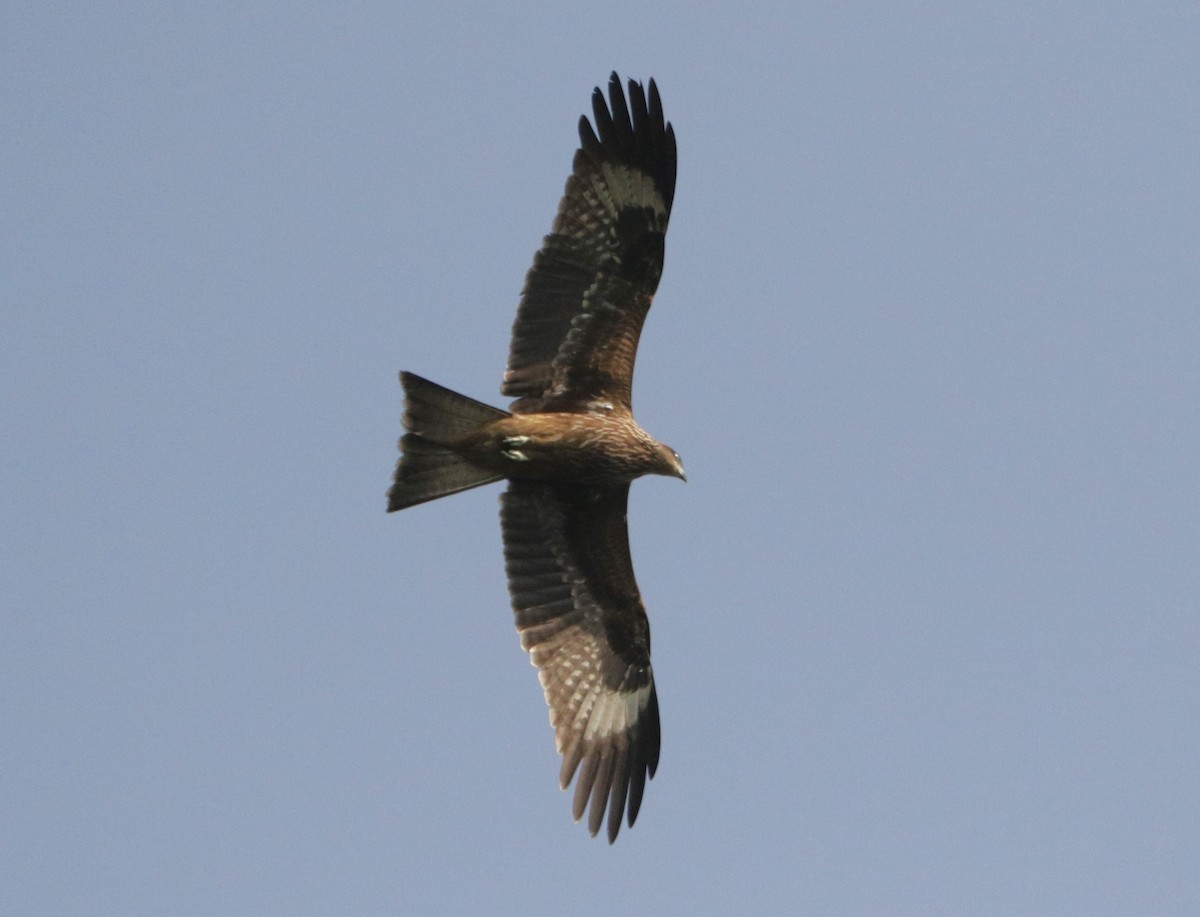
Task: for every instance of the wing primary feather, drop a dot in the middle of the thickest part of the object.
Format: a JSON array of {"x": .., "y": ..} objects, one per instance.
[
  {"x": 643, "y": 128},
  {"x": 620, "y": 124},
  {"x": 646, "y": 741},
  {"x": 601, "y": 789},
  {"x": 572, "y": 755},
  {"x": 600, "y": 112},
  {"x": 584, "y": 783},
  {"x": 587, "y": 137},
  {"x": 656, "y": 109},
  {"x": 620, "y": 790}
]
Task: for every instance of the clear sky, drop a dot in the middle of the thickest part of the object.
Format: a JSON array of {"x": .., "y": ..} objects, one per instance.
[{"x": 925, "y": 615}]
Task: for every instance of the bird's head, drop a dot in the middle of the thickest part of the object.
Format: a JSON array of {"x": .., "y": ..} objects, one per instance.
[{"x": 670, "y": 463}]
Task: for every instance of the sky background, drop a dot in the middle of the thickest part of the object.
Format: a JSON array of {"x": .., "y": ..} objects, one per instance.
[{"x": 925, "y": 615}]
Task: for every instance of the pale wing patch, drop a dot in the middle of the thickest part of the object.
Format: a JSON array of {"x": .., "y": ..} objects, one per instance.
[
  {"x": 581, "y": 705},
  {"x": 631, "y": 188}
]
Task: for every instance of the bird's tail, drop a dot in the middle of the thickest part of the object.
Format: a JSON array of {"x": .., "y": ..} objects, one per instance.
[{"x": 429, "y": 467}]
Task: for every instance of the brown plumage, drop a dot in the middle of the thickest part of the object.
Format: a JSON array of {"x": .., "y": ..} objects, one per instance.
[{"x": 569, "y": 450}]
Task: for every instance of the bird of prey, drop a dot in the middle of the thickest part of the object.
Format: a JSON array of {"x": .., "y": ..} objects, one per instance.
[{"x": 569, "y": 448}]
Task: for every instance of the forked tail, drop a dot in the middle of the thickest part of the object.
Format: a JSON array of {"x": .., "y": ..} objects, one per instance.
[{"x": 429, "y": 468}]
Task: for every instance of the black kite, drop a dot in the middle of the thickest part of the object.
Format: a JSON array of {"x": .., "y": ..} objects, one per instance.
[{"x": 570, "y": 449}]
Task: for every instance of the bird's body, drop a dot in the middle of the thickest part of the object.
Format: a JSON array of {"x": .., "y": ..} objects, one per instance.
[
  {"x": 600, "y": 449},
  {"x": 569, "y": 450}
]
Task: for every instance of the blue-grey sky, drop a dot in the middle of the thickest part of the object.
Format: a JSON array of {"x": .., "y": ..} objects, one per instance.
[{"x": 925, "y": 616}]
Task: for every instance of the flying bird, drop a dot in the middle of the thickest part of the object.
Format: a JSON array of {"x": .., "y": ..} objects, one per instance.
[{"x": 569, "y": 448}]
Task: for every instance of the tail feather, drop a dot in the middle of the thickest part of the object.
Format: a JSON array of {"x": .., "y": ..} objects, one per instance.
[
  {"x": 429, "y": 467},
  {"x": 441, "y": 415}
]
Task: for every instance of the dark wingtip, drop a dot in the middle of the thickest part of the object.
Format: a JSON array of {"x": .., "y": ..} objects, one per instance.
[{"x": 632, "y": 132}]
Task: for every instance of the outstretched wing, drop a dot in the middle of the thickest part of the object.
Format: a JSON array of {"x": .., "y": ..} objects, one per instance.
[
  {"x": 585, "y": 298},
  {"x": 580, "y": 616}
]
